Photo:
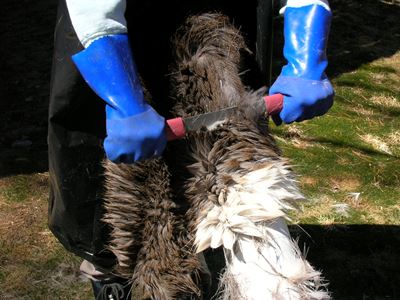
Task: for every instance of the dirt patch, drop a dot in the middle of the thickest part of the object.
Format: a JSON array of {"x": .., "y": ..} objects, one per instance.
[
  {"x": 23, "y": 224},
  {"x": 380, "y": 214},
  {"x": 308, "y": 181},
  {"x": 33, "y": 264},
  {"x": 347, "y": 184},
  {"x": 318, "y": 208}
]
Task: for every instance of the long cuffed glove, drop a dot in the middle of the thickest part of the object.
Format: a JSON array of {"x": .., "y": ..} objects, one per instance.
[
  {"x": 303, "y": 82},
  {"x": 135, "y": 131}
]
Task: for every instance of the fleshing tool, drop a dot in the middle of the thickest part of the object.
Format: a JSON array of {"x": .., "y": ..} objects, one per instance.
[{"x": 177, "y": 128}]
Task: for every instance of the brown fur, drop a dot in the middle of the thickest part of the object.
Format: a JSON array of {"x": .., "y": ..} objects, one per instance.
[
  {"x": 147, "y": 231},
  {"x": 206, "y": 78},
  {"x": 154, "y": 207}
]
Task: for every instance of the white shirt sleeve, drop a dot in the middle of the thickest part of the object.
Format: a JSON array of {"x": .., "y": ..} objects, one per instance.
[
  {"x": 301, "y": 3},
  {"x": 92, "y": 19}
]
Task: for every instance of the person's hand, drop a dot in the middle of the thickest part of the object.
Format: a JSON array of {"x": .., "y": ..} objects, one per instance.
[
  {"x": 304, "y": 99},
  {"x": 303, "y": 82},
  {"x": 136, "y": 137},
  {"x": 135, "y": 131}
]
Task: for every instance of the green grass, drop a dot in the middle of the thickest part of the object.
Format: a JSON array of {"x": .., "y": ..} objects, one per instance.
[
  {"x": 17, "y": 188},
  {"x": 355, "y": 148}
]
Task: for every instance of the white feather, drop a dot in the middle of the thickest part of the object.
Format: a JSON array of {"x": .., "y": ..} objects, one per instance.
[
  {"x": 273, "y": 268},
  {"x": 258, "y": 196},
  {"x": 249, "y": 221}
]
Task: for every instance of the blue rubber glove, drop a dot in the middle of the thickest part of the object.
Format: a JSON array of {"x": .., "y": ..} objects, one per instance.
[
  {"x": 303, "y": 82},
  {"x": 135, "y": 131}
]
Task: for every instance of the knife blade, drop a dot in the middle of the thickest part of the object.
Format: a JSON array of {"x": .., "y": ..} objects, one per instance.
[
  {"x": 209, "y": 120},
  {"x": 177, "y": 128}
]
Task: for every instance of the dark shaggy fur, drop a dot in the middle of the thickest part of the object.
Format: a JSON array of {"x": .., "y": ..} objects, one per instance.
[
  {"x": 148, "y": 232},
  {"x": 154, "y": 214},
  {"x": 206, "y": 78}
]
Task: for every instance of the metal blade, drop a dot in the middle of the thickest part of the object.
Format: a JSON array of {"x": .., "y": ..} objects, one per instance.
[{"x": 209, "y": 120}]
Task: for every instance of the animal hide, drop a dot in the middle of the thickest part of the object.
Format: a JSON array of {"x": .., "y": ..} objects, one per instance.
[{"x": 225, "y": 186}]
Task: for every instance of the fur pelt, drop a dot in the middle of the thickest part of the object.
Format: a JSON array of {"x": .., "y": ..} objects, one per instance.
[
  {"x": 222, "y": 186},
  {"x": 148, "y": 232},
  {"x": 238, "y": 186}
]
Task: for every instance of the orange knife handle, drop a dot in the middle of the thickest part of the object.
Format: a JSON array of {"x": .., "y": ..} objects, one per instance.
[
  {"x": 175, "y": 129},
  {"x": 273, "y": 104}
]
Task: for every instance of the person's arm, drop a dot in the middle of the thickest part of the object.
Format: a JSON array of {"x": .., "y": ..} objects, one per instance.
[
  {"x": 303, "y": 82},
  {"x": 135, "y": 130}
]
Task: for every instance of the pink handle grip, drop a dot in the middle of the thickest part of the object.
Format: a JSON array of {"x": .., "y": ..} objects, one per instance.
[
  {"x": 175, "y": 129},
  {"x": 273, "y": 104}
]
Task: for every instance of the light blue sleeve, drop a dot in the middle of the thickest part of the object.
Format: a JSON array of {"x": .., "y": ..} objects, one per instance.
[
  {"x": 93, "y": 19},
  {"x": 301, "y": 3}
]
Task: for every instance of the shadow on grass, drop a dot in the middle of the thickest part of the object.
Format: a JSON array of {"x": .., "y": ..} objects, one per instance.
[
  {"x": 25, "y": 63},
  {"x": 358, "y": 261},
  {"x": 361, "y": 32},
  {"x": 23, "y": 161}
]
